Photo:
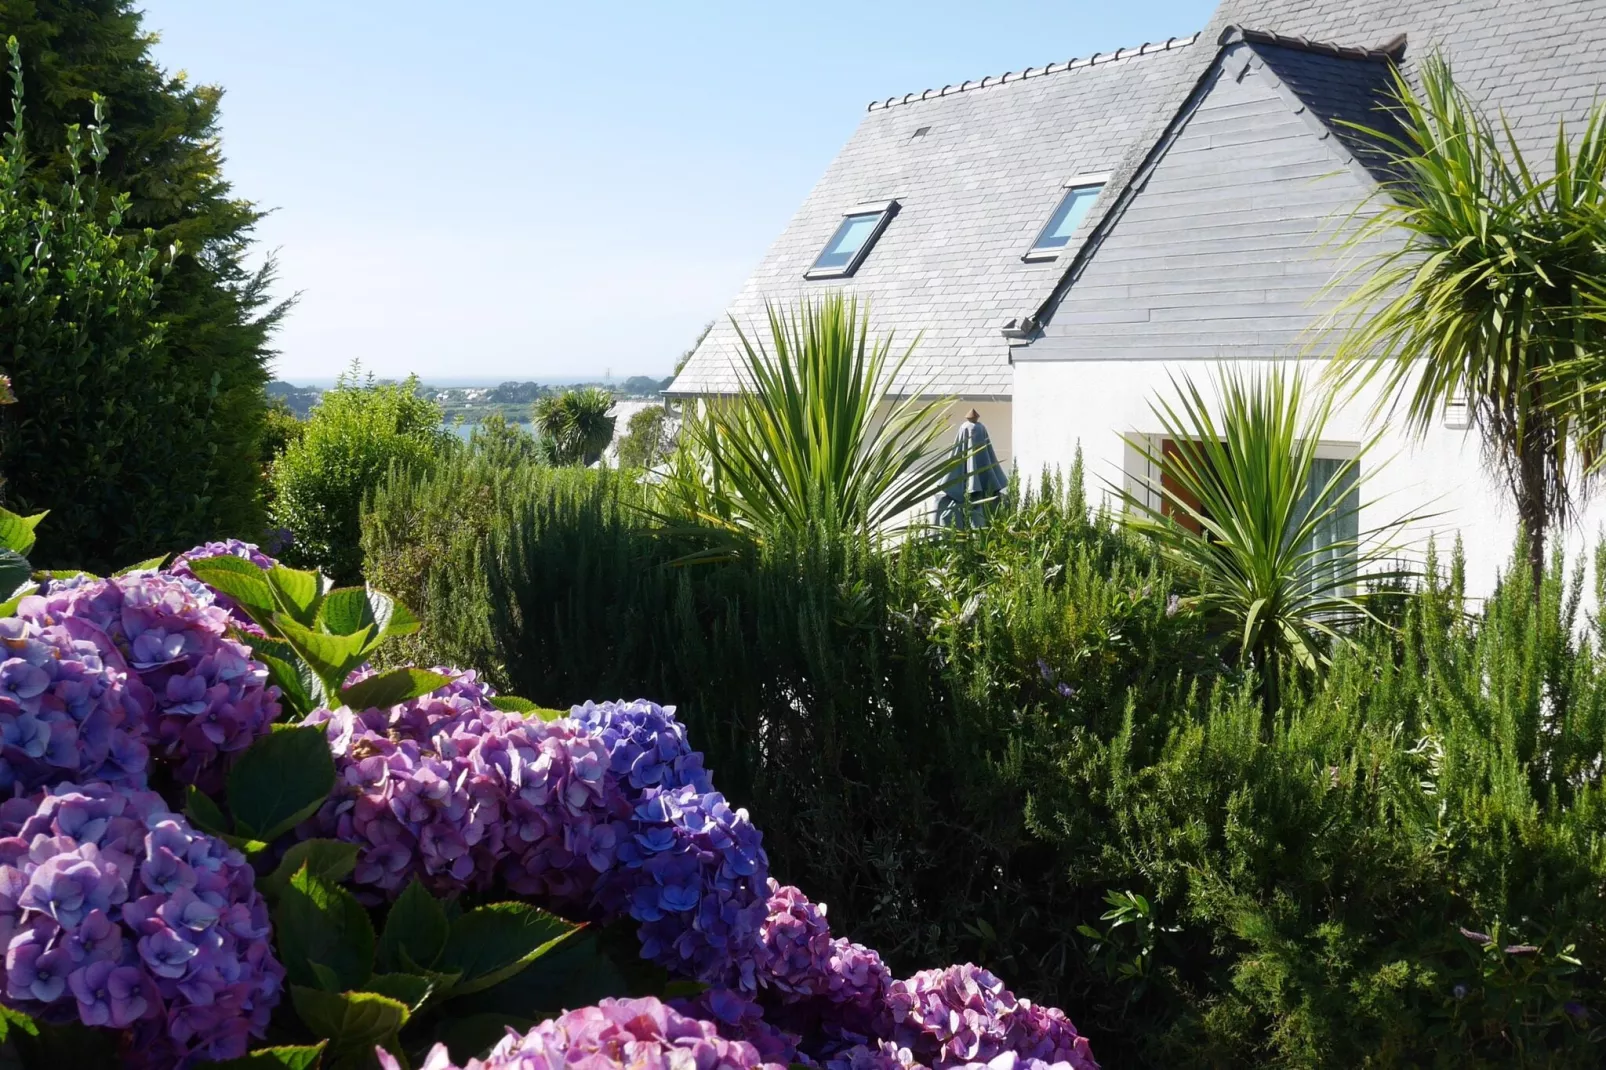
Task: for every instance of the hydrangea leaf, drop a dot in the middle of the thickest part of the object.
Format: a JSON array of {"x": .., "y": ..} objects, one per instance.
[
  {"x": 327, "y": 979},
  {"x": 349, "y": 610},
  {"x": 354, "y": 1022},
  {"x": 299, "y": 687},
  {"x": 14, "y": 570},
  {"x": 10, "y": 1019},
  {"x": 297, "y": 591},
  {"x": 241, "y": 581},
  {"x": 515, "y": 704},
  {"x": 146, "y": 565},
  {"x": 415, "y": 931},
  {"x": 576, "y": 974},
  {"x": 319, "y": 922},
  {"x": 331, "y": 657},
  {"x": 332, "y": 860},
  {"x": 280, "y": 781},
  {"x": 8, "y": 608},
  {"x": 406, "y": 988},
  {"x": 203, "y": 813},
  {"x": 17, "y": 531},
  {"x": 492, "y": 943},
  {"x": 300, "y": 1057},
  {"x": 402, "y": 622},
  {"x": 389, "y": 688}
]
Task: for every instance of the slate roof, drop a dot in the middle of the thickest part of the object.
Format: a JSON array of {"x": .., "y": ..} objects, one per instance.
[
  {"x": 974, "y": 191},
  {"x": 1343, "y": 87},
  {"x": 979, "y": 185},
  {"x": 1220, "y": 245}
]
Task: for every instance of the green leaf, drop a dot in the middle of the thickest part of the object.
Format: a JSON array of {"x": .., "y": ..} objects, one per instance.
[
  {"x": 515, "y": 704},
  {"x": 330, "y": 860},
  {"x": 403, "y": 987},
  {"x": 320, "y": 922},
  {"x": 203, "y": 813},
  {"x": 241, "y": 581},
  {"x": 332, "y": 657},
  {"x": 354, "y": 1023},
  {"x": 14, "y": 570},
  {"x": 10, "y": 1019},
  {"x": 389, "y": 688},
  {"x": 293, "y": 1058},
  {"x": 415, "y": 931},
  {"x": 17, "y": 531},
  {"x": 298, "y": 592},
  {"x": 142, "y": 566},
  {"x": 402, "y": 622},
  {"x": 349, "y": 610},
  {"x": 8, "y": 608},
  {"x": 280, "y": 781},
  {"x": 577, "y": 973},
  {"x": 302, "y": 691},
  {"x": 492, "y": 943},
  {"x": 326, "y": 978},
  {"x": 60, "y": 574}
]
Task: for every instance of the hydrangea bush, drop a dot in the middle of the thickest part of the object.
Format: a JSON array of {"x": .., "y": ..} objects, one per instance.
[{"x": 421, "y": 846}]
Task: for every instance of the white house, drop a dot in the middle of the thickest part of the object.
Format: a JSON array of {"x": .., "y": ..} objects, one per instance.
[{"x": 1066, "y": 239}]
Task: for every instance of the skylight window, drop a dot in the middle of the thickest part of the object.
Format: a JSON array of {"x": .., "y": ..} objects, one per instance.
[
  {"x": 852, "y": 240},
  {"x": 1080, "y": 196}
]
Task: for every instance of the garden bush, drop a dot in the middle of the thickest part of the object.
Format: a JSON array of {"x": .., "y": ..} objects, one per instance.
[
  {"x": 1019, "y": 746},
  {"x": 351, "y": 439}
]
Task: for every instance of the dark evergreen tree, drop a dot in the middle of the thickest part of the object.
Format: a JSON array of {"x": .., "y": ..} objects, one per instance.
[{"x": 163, "y": 152}]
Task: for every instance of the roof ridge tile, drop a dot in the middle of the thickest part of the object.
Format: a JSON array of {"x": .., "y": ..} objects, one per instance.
[
  {"x": 1389, "y": 51},
  {"x": 1100, "y": 58}
]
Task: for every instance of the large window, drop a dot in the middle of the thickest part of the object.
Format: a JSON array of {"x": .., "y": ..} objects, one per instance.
[
  {"x": 1080, "y": 196},
  {"x": 851, "y": 240}
]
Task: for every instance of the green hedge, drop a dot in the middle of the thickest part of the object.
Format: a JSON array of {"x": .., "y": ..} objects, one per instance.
[{"x": 977, "y": 746}]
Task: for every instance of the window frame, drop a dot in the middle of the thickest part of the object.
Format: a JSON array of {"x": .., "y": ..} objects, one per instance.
[
  {"x": 883, "y": 210},
  {"x": 1096, "y": 181}
]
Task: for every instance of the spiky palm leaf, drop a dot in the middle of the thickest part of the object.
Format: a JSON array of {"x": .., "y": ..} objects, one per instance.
[
  {"x": 1481, "y": 290},
  {"x": 576, "y": 424},
  {"x": 1262, "y": 554},
  {"x": 815, "y": 438}
]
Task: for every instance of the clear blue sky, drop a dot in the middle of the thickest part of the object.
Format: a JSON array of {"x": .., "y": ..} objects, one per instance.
[{"x": 517, "y": 189}]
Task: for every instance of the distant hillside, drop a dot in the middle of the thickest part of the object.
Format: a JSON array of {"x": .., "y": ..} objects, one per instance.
[{"x": 470, "y": 404}]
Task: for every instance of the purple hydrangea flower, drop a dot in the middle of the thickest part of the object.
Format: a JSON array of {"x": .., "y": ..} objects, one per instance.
[
  {"x": 737, "y": 1017},
  {"x": 116, "y": 913},
  {"x": 642, "y": 1034},
  {"x": 964, "y": 1015},
  {"x": 227, "y": 548},
  {"x": 66, "y": 712},
  {"x": 203, "y": 697},
  {"x": 828, "y": 989},
  {"x": 422, "y": 787}
]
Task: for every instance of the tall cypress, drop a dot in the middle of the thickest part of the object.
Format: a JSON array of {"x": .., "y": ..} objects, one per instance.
[{"x": 163, "y": 152}]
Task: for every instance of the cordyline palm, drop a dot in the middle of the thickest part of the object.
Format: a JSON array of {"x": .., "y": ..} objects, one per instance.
[
  {"x": 575, "y": 424},
  {"x": 1246, "y": 481},
  {"x": 1483, "y": 291},
  {"x": 814, "y": 440}
]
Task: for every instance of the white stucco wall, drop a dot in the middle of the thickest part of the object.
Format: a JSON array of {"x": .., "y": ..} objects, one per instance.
[{"x": 1062, "y": 404}]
